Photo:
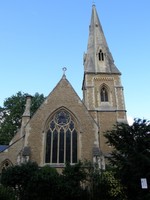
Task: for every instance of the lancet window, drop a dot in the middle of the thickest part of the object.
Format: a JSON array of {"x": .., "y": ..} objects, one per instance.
[
  {"x": 101, "y": 55},
  {"x": 104, "y": 94},
  {"x": 61, "y": 139}
]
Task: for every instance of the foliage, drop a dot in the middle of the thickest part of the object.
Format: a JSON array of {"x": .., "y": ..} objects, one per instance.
[
  {"x": 46, "y": 182},
  {"x": 11, "y": 113},
  {"x": 107, "y": 187},
  {"x": 19, "y": 177},
  {"x": 103, "y": 185},
  {"x": 32, "y": 182},
  {"x": 29, "y": 182},
  {"x": 131, "y": 155},
  {"x": 7, "y": 193},
  {"x": 73, "y": 178}
]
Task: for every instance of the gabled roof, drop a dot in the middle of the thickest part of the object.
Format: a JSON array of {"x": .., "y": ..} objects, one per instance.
[{"x": 63, "y": 95}]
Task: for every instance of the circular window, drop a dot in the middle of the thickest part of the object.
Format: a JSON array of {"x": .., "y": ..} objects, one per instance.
[{"x": 62, "y": 118}]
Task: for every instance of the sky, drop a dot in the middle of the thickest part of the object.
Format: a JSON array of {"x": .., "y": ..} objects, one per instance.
[{"x": 40, "y": 37}]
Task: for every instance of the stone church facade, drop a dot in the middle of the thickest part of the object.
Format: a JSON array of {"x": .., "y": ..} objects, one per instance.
[{"x": 66, "y": 128}]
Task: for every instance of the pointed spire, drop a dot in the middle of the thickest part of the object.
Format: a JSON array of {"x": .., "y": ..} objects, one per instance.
[
  {"x": 98, "y": 58},
  {"x": 26, "y": 115},
  {"x": 27, "y": 106}
]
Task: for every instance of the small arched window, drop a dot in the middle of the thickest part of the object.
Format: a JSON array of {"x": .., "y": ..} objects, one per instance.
[
  {"x": 61, "y": 139},
  {"x": 5, "y": 164},
  {"x": 101, "y": 55},
  {"x": 104, "y": 94}
]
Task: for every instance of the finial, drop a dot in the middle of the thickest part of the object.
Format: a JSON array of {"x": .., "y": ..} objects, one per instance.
[
  {"x": 64, "y": 71},
  {"x": 93, "y": 3}
]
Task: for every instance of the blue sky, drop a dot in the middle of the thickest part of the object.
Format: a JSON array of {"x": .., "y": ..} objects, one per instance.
[{"x": 40, "y": 37}]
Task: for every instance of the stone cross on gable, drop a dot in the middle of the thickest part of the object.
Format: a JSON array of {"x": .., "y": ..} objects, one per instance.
[{"x": 64, "y": 71}]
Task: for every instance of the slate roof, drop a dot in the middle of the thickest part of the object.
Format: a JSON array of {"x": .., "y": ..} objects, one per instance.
[{"x": 3, "y": 147}]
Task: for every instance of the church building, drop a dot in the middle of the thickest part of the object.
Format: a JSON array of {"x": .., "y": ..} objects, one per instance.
[{"x": 66, "y": 128}]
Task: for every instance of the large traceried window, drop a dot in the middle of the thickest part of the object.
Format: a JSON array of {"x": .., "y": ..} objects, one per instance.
[{"x": 61, "y": 139}]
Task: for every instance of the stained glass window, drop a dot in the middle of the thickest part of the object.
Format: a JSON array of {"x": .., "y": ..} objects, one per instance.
[
  {"x": 61, "y": 139},
  {"x": 74, "y": 144},
  {"x": 68, "y": 146},
  {"x": 48, "y": 146},
  {"x": 61, "y": 146},
  {"x": 55, "y": 143}
]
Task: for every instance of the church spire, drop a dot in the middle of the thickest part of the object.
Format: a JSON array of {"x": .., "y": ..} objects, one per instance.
[{"x": 98, "y": 58}]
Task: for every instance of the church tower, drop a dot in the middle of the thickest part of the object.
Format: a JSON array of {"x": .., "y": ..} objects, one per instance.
[{"x": 102, "y": 88}]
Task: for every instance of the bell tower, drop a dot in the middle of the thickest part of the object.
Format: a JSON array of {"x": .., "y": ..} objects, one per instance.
[{"x": 102, "y": 88}]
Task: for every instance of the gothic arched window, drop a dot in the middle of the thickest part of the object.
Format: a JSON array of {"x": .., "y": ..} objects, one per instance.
[
  {"x": 104, "y": 94},
  {"x": 5, "y": 164},
  {"x": 101, "y": 55},
  {"x": 61, "y": 139}
]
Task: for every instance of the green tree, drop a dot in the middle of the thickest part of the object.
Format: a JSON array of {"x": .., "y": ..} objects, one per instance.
[
  {"x": 19, "y": 177},
  {"x": 10, "y": 114},
  {"x": 28, "y": 181},
  {"x": 72, "y": 181},
  {"x": 47, "y": 182},
  {"x": 131, "y": 156},
  {"x": 7, "y": 193},
  {"x": 44, "y": 183},
  {"x": 107, "y": 187},
  {"x": 103, "y": 184}
]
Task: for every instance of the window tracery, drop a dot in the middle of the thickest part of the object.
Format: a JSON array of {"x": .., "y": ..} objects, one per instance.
[{"x": 61, "y": 139}]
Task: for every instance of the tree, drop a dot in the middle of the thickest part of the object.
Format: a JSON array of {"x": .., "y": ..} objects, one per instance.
[
  {"x": 29, "y": 181},
  {"x": 10, "y": 114},
  {"x": 72, "y": 179},
  {"x": 7, "y": 193},
  {"x": 19, "y": 177},
  {"x": 131, "y": 156},
  {"x": 47, "y": 182},
  {"x": 107, "y": 187},
  {"x": 103, "y": 184}
]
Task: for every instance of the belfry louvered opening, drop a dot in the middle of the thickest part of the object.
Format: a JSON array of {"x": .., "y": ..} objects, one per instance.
[{"x": 101, "y": 55}]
